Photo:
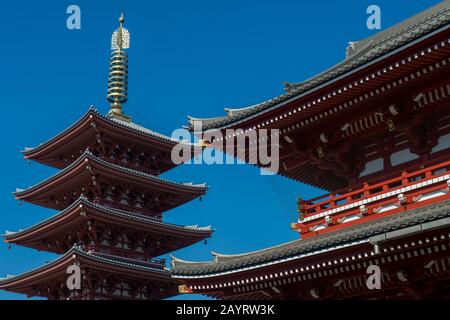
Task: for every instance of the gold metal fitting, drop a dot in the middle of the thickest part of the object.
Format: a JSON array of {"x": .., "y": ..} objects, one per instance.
[{"x": 118, "y": 72}]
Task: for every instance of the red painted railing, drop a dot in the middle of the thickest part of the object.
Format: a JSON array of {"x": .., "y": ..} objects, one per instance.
[{"x": 337, "y": 206}]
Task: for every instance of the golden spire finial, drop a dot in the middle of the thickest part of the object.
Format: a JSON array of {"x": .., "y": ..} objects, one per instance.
[{"x": 118, "y": 72}]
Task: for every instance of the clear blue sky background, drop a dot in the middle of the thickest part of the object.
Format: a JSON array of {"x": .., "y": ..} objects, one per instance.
[{"x": 187, "y": 58}]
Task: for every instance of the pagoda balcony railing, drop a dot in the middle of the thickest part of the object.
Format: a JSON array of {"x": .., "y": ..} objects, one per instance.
[{"x": 407, "y": 191}]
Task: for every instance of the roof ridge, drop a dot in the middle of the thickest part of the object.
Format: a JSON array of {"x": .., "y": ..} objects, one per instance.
[{"x": 88, "y": 154}]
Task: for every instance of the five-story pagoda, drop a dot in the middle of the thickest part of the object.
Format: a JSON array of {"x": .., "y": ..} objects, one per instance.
[{"x": 110, "y": 200}]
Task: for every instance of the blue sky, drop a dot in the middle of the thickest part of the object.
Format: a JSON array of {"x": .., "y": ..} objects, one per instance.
[{"x": 186, "y": 58}]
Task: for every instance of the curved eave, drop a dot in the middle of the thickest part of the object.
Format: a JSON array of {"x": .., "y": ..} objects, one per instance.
[
  {"x": 93, "y": 117},
  {"x": 206, "y": 122},
  {"x": 57, "y": 270},
  {"x": 50, "y": 270},
  {"x": 52, "y": 143},
  {"x": 57, "y": 223},
  {"x": 117, "y": 265},
  {"x": 384, "y": 44},
  {"x": 98, "y": 165},
  {"x": 219, "y": 258},
  {"x": 177, "y": 262}
]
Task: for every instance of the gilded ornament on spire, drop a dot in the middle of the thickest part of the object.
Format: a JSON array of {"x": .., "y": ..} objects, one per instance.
[{"x": 118, "y": 72}]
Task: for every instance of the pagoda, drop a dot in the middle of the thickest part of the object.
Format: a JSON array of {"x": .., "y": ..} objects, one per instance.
[
  {"x": 372, "y": 131},
  {"x": 110, "y": 200}
]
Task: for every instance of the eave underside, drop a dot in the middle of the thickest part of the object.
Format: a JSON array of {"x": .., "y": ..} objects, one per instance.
[
  {"x": 84, "y": 222},
  {"x": 105, "y": 277},
  {"x": 98, "y": 180},
  {"x": 338, "y": 164},
  {"x": 130, "y": 144}
]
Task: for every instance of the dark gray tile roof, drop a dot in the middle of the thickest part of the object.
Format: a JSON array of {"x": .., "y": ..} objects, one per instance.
[
  {"x": 111, "y": 260},
  {"x": 363, "y": 52},
  {"x": 124, "y": 262},
  {"x": 113, "y": 212},
  {"x": 128, "y": 125},
  {"x": 291, "y": 249}
]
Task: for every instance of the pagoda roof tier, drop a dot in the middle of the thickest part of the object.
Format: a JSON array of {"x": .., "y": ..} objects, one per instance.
[
  {"x": 94, "y": 177},
  {"x": 409, "y": 222},
  {"x": 152, "y": 236},
  {"x": 361, "y": 55},
  {"x": 152, "y": 150},
  {"x": 155, "y": 282}
]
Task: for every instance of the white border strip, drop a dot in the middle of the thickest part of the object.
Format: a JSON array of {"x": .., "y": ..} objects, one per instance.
[{"x": 377, "y": 198}]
